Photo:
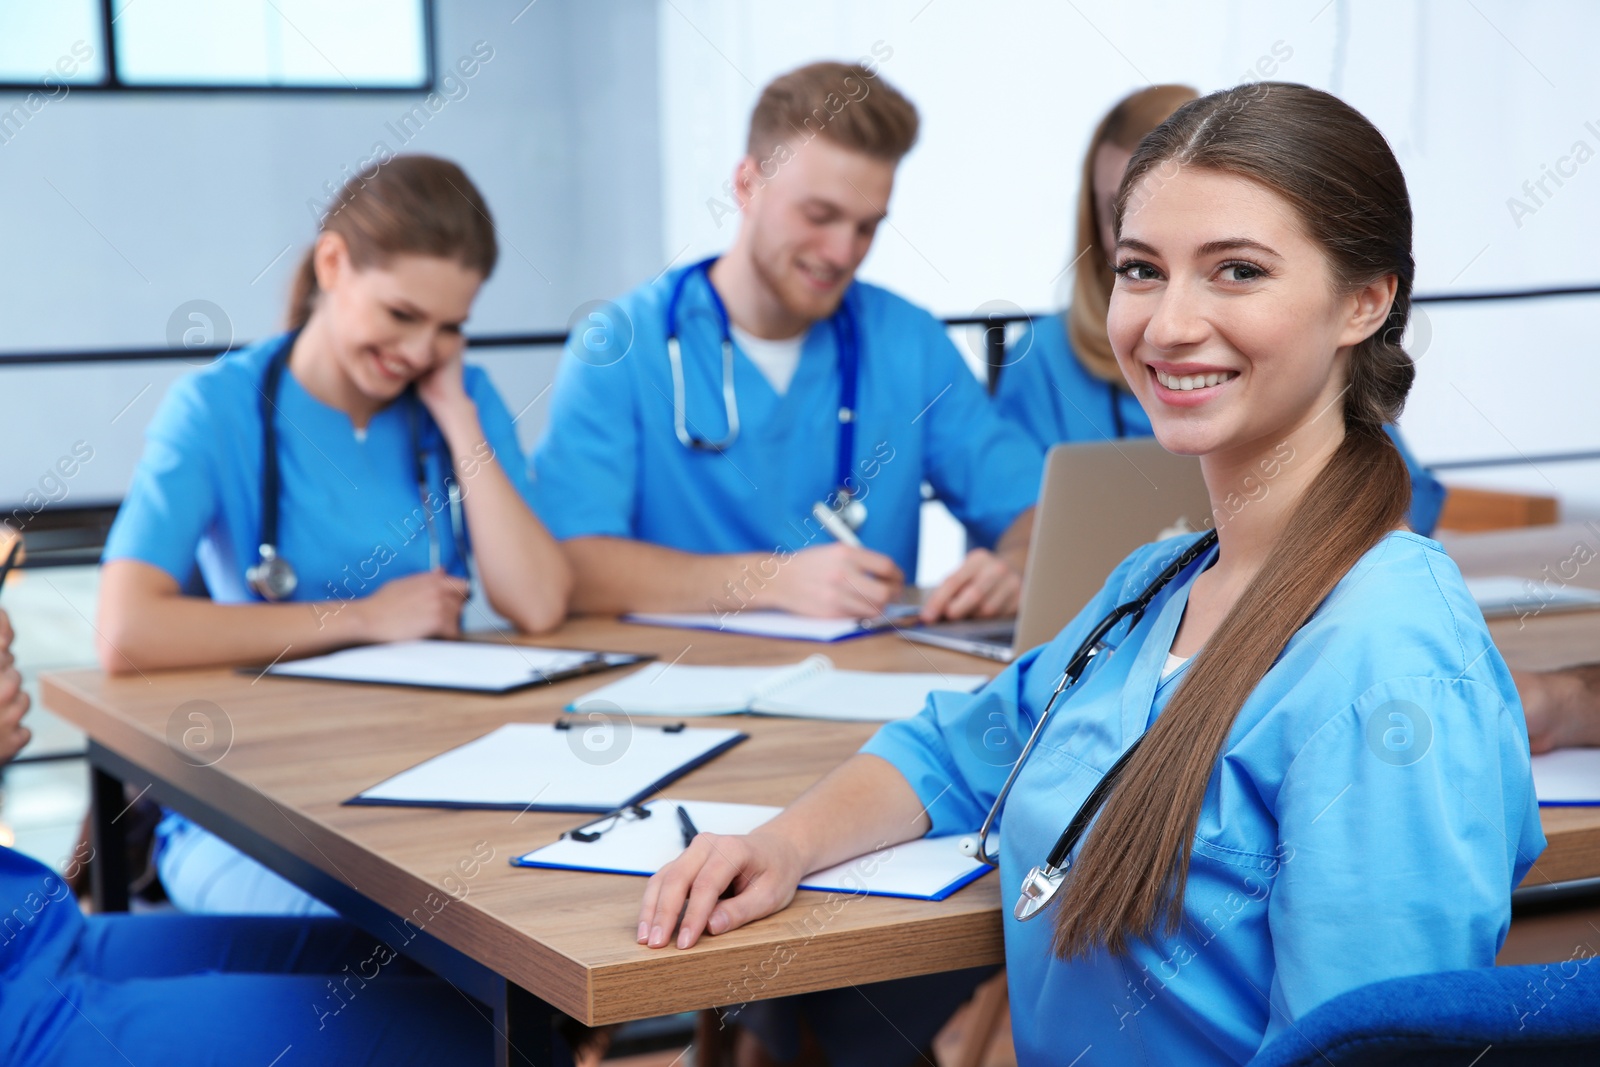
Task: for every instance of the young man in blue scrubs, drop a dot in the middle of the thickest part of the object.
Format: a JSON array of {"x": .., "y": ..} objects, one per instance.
[
  {"x": 681, "y": 470},
  {"x": 683, "y": 477},
  {"x": 184, "y": 990}
]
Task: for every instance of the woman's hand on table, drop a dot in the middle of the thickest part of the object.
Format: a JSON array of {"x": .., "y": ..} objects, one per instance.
[{"x": 758, "y": 872}]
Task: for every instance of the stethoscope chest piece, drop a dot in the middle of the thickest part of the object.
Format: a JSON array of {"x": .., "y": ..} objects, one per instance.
[
  {"x": 1038, "y": 889},
  {"x": 273, "y": 578},
  {"x": 851, "y": 511}
]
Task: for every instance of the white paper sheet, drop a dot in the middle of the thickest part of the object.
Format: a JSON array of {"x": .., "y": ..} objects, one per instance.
[
  {"x": 534, "y": 766},
  {"x": 676, "y": 689},
  {"x": 861, "y": 696},
  {"x": 469, "y": 665},
  {"x": 810, "y": 689},
  {"x": 1567, "y": 776},
  {"x": 771, "y": 623}
]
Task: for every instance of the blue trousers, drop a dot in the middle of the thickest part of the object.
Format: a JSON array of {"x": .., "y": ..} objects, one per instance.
[
  {"x": 204, "y": 874},
  {"x": 182, "y": 990}
]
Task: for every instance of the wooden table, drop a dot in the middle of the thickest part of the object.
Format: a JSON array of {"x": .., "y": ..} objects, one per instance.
[{"x": 284, "y": 754}]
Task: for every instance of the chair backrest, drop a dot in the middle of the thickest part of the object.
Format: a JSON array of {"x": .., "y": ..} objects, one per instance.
[{"x": 1546, "y": 1014}]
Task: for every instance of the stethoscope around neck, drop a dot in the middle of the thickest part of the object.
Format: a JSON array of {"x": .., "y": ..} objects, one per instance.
[
  {"x": 845, "y": 503},
  {"x": 272, "y": 577},
  {"x": 1041, "y": 883}
]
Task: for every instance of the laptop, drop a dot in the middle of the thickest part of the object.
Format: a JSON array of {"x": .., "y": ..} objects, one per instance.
[{"x": 1098, "y": 502}]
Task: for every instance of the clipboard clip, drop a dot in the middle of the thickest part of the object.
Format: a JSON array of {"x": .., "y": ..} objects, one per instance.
[
  {"x": 593, "y": 830},
  {"x": 667, "y": 728}
]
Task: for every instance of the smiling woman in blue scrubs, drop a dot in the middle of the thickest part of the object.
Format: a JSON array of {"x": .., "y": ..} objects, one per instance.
[
  {"x": 1328, "y": 782},
  {"x": 1061, "y": 381},
  {"x": 395, "y": 463}
]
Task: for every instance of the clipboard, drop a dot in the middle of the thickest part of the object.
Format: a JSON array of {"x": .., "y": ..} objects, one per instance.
[
  {"x": 488, "y": 667},
  {"x": 644, "y": 839},
  {"x": 561, "y": 767}
]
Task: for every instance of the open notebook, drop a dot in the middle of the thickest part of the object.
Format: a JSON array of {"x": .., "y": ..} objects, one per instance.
[
  {"x": 777, "y": 623},
  {"x": 928, "y": 869},
  {"x": 811, "y": 689},
  {"x": 562, "y": 767},
  {"x": 472, "y": 666}
]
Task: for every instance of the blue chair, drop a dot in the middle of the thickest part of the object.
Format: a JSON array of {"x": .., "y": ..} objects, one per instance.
[{"x": 1546, "y": 1014}]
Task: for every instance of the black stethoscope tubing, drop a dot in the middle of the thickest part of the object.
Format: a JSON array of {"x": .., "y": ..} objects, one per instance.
[
  {"x": 1091, "y": 646},
  {"x": 271, "y": 478}
]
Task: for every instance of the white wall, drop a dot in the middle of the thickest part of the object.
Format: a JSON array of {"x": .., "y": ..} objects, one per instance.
[
  {"x": 1476, "y": 99},
  {"x": 119, "y": 208},
  {"x": 599, "y": 132}
]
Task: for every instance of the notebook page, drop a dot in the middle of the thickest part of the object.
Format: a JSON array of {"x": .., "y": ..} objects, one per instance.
[
  {"x": 534, "y": 764},
  {"x": 674, "y": 689},
  {"x": 1567, "y": 776},
  {"x": 756, "y": 623},
  {"x": 861, "y": 696},
  {"x": 445, "y": 664}
]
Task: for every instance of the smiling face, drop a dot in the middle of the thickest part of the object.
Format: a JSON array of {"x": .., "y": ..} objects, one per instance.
[
  {"x": 811, "y": 223},
  {"x": 391, "y": 322},
  {"x": 1226, "y": 317}
]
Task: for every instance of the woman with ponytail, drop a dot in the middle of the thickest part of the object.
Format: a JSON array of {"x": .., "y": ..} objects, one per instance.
[
  {"x": 1329, "y": 780},
  {"x": 397, "y": 469},
  {"x": 1061, "y": 381}
]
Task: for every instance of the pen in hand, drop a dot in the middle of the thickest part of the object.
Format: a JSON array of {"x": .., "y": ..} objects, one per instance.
[
  {"x": 11, "y": 559},
  {"x": 686, "y": 824}
]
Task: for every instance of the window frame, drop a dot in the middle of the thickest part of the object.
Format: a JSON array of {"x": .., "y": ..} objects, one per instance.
[{"x": 113, "y": 83}]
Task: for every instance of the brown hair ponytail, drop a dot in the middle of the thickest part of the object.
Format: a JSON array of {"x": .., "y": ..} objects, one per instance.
[
  {"x": 1337, "y": 171},
  {"x": 421, "y": 205}
]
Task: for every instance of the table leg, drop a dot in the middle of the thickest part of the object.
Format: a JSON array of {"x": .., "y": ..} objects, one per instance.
[
  {"x": 108, "y": 872},
  {"x": 525, "y": 1031}
]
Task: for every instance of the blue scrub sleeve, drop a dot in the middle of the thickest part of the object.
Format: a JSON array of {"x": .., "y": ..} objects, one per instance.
[
  {"x": 1022, "y": 395},
  {"x": 499, "y": 430},
  {"x": 957, "y": 751},
  {"x": 1404, "y": 823},
  {"x": 585, "y": 467},
  {"x": 172, "y": 500},
  {"x": 986, "y": 470}
]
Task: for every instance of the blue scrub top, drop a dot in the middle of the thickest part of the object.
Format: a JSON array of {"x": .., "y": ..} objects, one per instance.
[
  {"x": 1372, "y": 809},
  {"x": 350, "y": 516},
  {"x": 1051, "y": 395},
  {"x": 610, "y": 463}
]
